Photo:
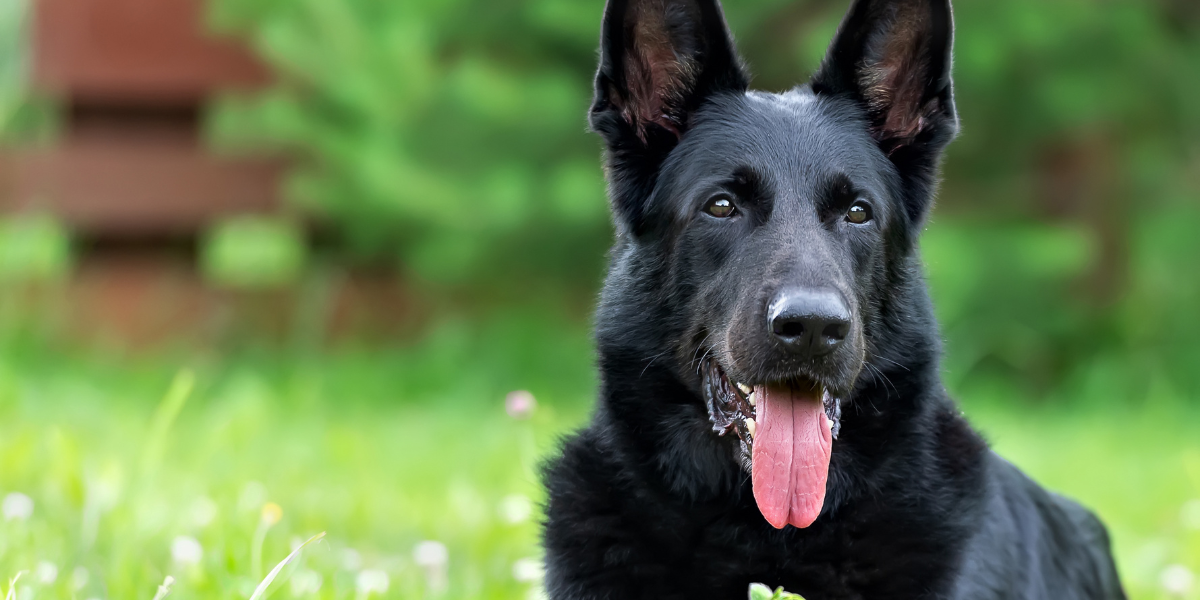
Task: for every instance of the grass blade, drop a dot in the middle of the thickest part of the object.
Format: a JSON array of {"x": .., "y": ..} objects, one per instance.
[
  {"x": 164, "y": 590},
  {"x": 12, "y": 586},
  {"x": 164, "y": 417},
  {"x": 266, "y": 582}
]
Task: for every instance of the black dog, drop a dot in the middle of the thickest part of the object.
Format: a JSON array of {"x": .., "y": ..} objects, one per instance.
[{"x": 771, "y": 408}]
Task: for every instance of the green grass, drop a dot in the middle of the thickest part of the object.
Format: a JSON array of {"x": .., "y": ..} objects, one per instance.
[{"x": 358, "y": 447}]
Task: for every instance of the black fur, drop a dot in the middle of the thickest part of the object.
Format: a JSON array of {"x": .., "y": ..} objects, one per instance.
[{"x": 649, "y": 502}]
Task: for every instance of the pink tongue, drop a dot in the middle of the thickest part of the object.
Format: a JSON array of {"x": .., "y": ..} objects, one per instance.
[{"x": 791, "y": 455}]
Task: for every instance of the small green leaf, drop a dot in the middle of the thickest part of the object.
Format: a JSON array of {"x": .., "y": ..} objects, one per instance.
[{"x": 759, "y": 591}]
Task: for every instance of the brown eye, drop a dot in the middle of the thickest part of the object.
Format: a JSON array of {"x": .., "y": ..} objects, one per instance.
[
  {"x": 859, "y": 213},
  {"x": 720, "y": 207}
]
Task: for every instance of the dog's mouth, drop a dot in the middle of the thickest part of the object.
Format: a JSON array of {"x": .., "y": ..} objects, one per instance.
[{"x": 786, "y": 430}]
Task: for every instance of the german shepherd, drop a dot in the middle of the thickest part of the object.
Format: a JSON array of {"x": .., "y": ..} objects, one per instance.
[{"x": 770, "y": 408}]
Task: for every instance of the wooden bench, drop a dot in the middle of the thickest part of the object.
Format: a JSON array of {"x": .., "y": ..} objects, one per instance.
[{"x": 132, "y": 78}]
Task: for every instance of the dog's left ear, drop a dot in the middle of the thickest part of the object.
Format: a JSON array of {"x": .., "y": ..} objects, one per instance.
[
  {"x": 894, "y": 58},
  {"x": 660, "y": 60}
]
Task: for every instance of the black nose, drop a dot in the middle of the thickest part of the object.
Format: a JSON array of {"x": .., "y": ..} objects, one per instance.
[{"x": 809, "y": 321}]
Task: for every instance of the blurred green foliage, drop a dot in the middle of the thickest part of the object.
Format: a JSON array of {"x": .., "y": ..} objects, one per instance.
[
  {"x": 33, "y": 248},
  {"x": 253, "y": 252},
  {"x": 451, "y": 136},
  {"x": 12, "y": 42},
  {"x": 448, "y": 138},
  {"x": 23, "y": 118}
]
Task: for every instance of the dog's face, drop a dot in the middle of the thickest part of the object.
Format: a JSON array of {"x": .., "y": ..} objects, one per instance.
[
  {"x": 771, "y": 224},
  {"x": 783, "y": 230}
]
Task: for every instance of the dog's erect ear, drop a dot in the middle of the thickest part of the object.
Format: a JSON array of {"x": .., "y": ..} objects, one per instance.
[
  {"x": 894, "y": 57},
  {"x": 659, "y": 61}
]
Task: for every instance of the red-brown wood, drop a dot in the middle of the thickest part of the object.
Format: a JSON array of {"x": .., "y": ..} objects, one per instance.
[
  {"x": 129, "y": 187},
  {"x": 132, "y": 77},
  {"x": 141, "y": 51}
]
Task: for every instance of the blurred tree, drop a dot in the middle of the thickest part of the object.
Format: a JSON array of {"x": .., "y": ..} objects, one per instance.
[{"x": 451, "y": 134}]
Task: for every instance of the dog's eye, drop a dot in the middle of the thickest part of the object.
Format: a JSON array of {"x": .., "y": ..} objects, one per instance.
[
  {"x": 720, "y": 207},
  {"x": 859, "y": 213}
]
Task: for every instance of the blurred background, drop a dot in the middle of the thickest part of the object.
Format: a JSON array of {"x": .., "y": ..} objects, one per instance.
[{"x": 271, "y": 268}]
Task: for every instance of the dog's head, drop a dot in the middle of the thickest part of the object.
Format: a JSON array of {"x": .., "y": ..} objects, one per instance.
[{"x": 765, "y": 231}]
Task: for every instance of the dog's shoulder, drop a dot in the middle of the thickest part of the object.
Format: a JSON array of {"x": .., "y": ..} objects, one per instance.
[
  {"x": 1032, "y": 543},
  {"x": 586, "y": 474},
  {"x": 606, "y": 527}
]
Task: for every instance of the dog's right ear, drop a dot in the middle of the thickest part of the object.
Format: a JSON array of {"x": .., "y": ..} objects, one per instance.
[{"x": 659, "y": 61}]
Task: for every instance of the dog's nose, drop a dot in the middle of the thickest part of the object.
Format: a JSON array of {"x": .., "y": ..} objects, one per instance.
[{"x": 809, "y": 321}]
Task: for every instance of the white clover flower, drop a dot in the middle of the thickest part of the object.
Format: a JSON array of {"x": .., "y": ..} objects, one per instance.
[
  {"x": 351, "y": 559},
  {"x": 433, "y": 558},
  {"x": 202, "y": 512},
  {"x": 528, "y": 570},
  {"x": 46, "y": 572},
  {"x": 515, "y": 509},
  {"x": 520, "y": 404},
  {"x": 186, "y": 550},
  {"x": 371, "y": 581},
  {"x": 1177, "y": 580},
  {"x": 431, "y": 553},
  {"x": 305, "y": 582},
  {"x": 1189, "y": 515},
  {"x": 17, "y": 507},
  {"x": 252, "y": 497},
  {"x": 79, "y": 578}
]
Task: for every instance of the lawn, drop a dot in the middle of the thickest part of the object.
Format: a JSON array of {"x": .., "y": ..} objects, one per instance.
[{"x": 116, "y": 472}]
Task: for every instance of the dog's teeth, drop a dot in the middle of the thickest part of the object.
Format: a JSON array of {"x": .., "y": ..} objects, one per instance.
[
  {"x": 745, "y": 388},
  {"x": 751, "y": 426},
  {"x": 752, "y": 399}
]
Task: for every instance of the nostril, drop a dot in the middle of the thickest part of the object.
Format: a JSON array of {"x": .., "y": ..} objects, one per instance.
[
  {"x": 809, "y": 321},
  {"x": 788, "y": 328},
  {"x": 836, "y": 332}
]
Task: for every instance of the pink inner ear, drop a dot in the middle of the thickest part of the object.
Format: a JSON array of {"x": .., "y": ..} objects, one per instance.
[
  {"x": 655, "y": 73},
  {"x": 894, "y": 84}
]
